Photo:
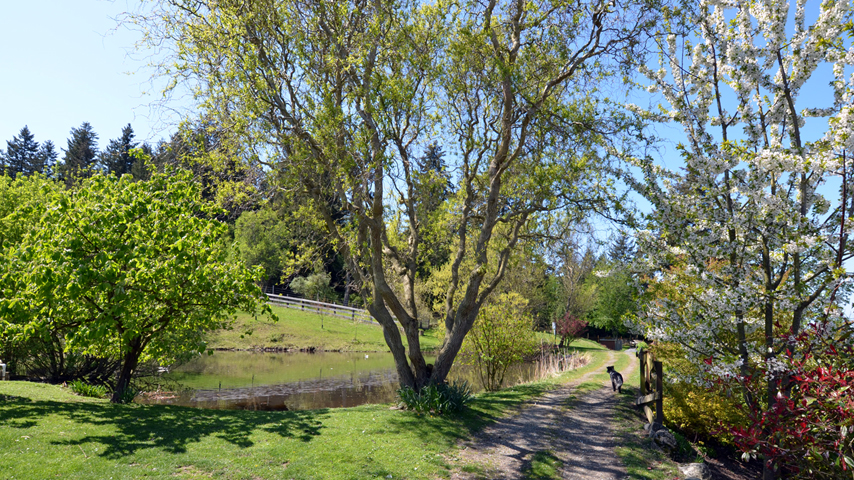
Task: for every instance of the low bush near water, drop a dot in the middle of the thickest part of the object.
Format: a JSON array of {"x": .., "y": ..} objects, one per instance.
[
  {"x": 82, "y": 388},
  {"x": 437, "y": 399}
]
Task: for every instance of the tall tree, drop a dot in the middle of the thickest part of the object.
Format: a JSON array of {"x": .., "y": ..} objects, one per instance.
[
  {"x": 46, "y": 160},
  {"x": 22, "y": 155},
  {"x": 116, "y": 158},
  {"x": 754, "y": 249},
  {"x": 349, "y": 92},
  {"x": 79, "y": 159}
]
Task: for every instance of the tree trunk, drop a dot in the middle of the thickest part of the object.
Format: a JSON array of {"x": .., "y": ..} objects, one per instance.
[{"x": 129, "y": 363}]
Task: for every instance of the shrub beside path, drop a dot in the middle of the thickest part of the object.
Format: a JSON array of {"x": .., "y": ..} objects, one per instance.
[{"x": 576, "y": 431}]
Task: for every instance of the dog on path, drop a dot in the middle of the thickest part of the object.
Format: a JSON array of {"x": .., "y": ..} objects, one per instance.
[{"x": 616, "y": 379}]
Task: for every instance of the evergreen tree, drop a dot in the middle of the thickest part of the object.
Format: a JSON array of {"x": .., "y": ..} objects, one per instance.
[
  {"x": 622, "y": 250},
  {"x": 116, "y": 157},
  {"x": 22, "y": 154},
  {"x": 432, "y": 187},
  {"x": 433, "y": 182},
  {"x": 46, "y": 158},
  {"x": 80, "y": 154}
]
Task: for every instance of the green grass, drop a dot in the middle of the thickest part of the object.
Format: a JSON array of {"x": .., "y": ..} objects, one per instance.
[
  {"x": 297, "y": 330},
  {"x": 544, "y": 466},
  {"x": 46, "y": 431}
]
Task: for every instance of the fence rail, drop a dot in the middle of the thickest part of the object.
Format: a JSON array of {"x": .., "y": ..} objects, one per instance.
[{"x": 349, "y": 313}]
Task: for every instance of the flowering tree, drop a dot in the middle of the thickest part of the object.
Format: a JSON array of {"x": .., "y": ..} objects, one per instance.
[
  {"x": 570, "y": 329},
  {"x": 746, "y": 225}
]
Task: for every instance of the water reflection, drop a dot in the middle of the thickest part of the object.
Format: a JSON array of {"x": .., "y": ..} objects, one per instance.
[{"x": 295, "y": 381}]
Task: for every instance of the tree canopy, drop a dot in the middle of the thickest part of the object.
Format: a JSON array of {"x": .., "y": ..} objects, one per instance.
[
  {"x": 131, "y": 270},
  {"x": 342, "y": 98}
]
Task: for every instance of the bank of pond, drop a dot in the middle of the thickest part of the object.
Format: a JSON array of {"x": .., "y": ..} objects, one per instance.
[{"x": 294, "y": 380}]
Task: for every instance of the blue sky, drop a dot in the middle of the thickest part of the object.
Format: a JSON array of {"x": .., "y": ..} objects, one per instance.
[{"x": 65, "y": 62}]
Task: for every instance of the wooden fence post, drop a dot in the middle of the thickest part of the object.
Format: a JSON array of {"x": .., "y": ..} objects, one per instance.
[
  {"x": 650, "y": 368},
  {"x": 659, "y": 390}
]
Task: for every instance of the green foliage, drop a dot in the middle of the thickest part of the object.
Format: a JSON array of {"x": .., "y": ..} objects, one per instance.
[
  {"x": 342, "y": 126},
  {"x": 693, "y": 410},
  {"x": 614, "y": 300},
  {"x": 501, "y": 336},
  {"x": 134, "y": 271},
  {"x": 264, "y": 239},
  {"x": 436, "y": 399},
  {"x": 314, "y": 286},
  {"x": 82, "y": 388}
]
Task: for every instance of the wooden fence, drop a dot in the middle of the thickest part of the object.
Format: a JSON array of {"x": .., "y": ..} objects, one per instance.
[
  {"x": 651, "y": 387},
  {"x": 321, "y": 308}
]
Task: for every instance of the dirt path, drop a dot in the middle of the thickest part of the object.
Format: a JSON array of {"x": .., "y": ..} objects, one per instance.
[{"x": 579, "y": 436}]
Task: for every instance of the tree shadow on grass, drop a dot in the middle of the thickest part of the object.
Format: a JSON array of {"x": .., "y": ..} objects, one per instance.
[
  {"x": 484, "y": 410},
  {"x": 169, "y": 428}
]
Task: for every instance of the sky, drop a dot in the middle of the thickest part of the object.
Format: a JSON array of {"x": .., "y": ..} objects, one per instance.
[{"x": 66, "y": 62}]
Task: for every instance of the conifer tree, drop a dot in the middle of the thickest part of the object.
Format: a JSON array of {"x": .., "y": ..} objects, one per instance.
[
  {"x": 21, "y": 157},
  {"x": 116, "y": 157},
  {"x": 80, "y": 155},
  {"x": 46, "y": 159}
]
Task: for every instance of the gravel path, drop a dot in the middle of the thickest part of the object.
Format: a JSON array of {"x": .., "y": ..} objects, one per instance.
[{"x": 579, "y": 436}]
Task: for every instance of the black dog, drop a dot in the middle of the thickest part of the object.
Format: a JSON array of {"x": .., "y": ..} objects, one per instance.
[{"x": 616, "y": 379}]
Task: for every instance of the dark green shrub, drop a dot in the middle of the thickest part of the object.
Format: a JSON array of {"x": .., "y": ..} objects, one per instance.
[
  {"x": 82, "y": 388},
  {"x": 436, "y": 399}
]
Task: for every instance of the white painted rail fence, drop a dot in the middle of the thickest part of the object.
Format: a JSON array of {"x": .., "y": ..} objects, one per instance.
[{"x": 350, "y": 313}]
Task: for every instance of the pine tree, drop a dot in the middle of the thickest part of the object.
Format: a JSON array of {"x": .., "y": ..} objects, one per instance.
[
  {"x": 21, "y": 157},
  {"x": 622, "y": 250},
  {"x": 116, "y": 157},
  {"x": 80, "y": 154},
  {"x": 46, "y": 159}
]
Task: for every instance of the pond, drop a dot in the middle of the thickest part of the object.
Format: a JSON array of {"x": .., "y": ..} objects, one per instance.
[{"x": 295, "y": 381}]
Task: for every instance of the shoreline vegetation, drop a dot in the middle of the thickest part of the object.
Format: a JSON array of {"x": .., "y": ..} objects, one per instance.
[{"x": 50, "y": 431}]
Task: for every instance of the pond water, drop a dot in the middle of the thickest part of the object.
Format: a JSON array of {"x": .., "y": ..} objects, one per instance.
[{"x": 294, "y": 381}]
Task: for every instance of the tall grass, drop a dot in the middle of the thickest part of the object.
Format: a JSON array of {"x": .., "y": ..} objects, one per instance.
[{"x": 550, "y": 364}]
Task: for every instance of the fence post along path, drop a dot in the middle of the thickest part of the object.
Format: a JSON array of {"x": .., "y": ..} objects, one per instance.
[{"x": 651, "y": 387}]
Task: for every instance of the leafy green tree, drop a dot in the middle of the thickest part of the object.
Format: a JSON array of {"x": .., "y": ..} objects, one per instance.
[
  {"x": 501, "y": 336},
  {"x": 116, "y": 158},
  {"x": 615, "y": 299},
  {"x": 339, "y": 97},
  {"x": 314, "y": 286},
  {"x": 23, "y": 200},
  {"x": 80, "y": 155},
  {"x": 134, "y": 270},
  {"x": 264, "y": 239}
]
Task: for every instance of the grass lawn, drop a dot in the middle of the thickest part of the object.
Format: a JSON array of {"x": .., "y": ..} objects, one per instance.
[
  {"x": 47, "y": 432},
  {"x": 297, "y": 329}
]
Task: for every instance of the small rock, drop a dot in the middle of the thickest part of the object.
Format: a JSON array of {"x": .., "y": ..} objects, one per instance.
[
  {"x": 664, "y": 439},
  {"x": 698, "y": 471}
]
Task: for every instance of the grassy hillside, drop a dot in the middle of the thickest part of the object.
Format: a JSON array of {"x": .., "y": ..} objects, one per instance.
[{"x": 297, "y": 329}]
